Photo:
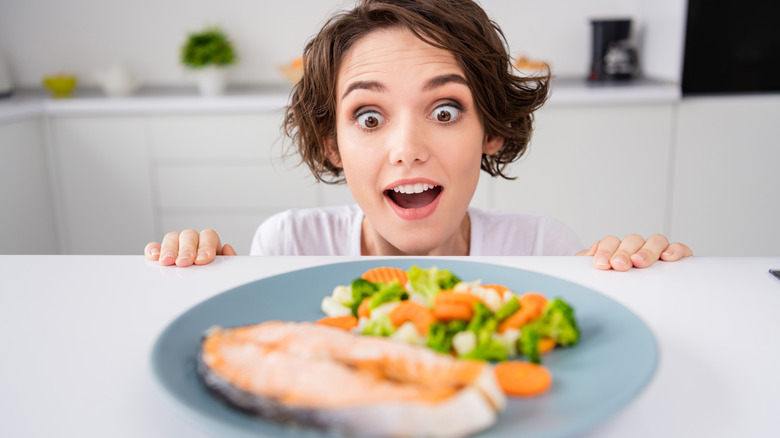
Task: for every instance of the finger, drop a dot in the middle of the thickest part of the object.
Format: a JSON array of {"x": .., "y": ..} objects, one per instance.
[
  {"x": 188, "y": 245},
  {"x": 589, "y": 251},
  {"x": 676, "y": 251},
  {"x": 152, "y": 251},
  {"x": 606, "y": 247},
  {"x": 169, "y": 248},
  {"x": 621, "y": 259},
  {"x": 208, "y": 247},
  {"x": 650, "y": 252},
  {"x": 228, "y": 250}
]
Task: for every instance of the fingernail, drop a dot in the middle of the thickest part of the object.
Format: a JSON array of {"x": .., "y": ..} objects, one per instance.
[
  {"x": 154, "y": 251},
  {"x": 602, "y": 261},
  {"x": 641, "y": 256},
  {"x": 167, "y": 255},
  {"x": 620, "y": 260},
  {"x": 185, "y": 255},
  {"x": 202, "y": 255},
  {"x": 669, "y": 252}
]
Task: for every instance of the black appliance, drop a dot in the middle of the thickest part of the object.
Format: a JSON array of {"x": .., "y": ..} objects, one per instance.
[
  {"x": 731, "y": 47},
  {"x": 613, "y": 57}
]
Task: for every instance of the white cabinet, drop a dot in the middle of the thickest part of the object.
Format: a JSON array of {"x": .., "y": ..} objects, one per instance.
[
  {"x": 104, "y": 182},
  {"x": 599, "y": 169},
  {"x": 701, "y": 171},
  {"x": 226, "y": 172},
  {"x": 26, "y": 215},
  {"x": 126, "y": 180},
  {"x": 726, "y": 180}
]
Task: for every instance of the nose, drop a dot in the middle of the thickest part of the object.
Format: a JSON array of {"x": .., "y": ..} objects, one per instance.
[{"x": 408, "y": 143}]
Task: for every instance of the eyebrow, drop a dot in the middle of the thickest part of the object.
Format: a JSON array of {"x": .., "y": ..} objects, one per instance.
[
  {"x": 433, "y": 83},
  {"x": 363, "y": 85},
  {"x": 442, "y": 80}
]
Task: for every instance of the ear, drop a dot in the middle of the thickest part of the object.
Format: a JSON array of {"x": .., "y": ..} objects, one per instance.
[
  {"x": 492, "y": 144},
  {"x": 332, "y": 151}
]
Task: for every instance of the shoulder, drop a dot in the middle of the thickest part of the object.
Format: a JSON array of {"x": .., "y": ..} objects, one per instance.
[
  {"x": 308, "y": 231},
  {"x": 499, "y": 232}
]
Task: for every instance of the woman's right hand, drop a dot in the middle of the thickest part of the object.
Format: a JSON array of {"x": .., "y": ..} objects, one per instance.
[{"x": 186, "y": 248}]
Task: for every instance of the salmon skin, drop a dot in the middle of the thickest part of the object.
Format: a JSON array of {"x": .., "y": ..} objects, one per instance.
[{"x": 335, "y": 381}]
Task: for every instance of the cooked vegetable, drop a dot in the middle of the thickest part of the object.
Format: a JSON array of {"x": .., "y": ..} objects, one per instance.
[
  {"x": 508, "y": 309},
  {"x": 557, "y": 322},
  {"x": 386, "y": 275},
  {"x": 546, "y": 345},
  {"x": 522, "y": 378},
  {"x": 386, "y": 293},
  {"x": 531, "y": 307},
  {"x": 428, "y": 282},
  {"x": 440, "y": 334},
  {"x": 448, "y": 305},
  {"x": 364, "y": 309},
  {"x": 347, "y": 322},
  {"x": 360, "y": 290},
  {"x": 433, "y": 307},
  {"x": 417, "y": 313},
  {"x": 380, "y": 326}
]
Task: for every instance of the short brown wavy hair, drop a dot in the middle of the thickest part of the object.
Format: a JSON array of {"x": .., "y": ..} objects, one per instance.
[{"x": 505, "y": 101}]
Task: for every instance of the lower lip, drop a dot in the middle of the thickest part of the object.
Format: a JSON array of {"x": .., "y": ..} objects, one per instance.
[{"x": 414, "y": 214}]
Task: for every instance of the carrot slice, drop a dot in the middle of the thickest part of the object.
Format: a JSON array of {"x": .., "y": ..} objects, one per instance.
[
  {"x": 546, "y": 345},
  {"x": 448, "y": 305},
  {"x": 420, "y": 315},
  {"x": 386, "y": 275},
  {"x": 364, "y": 310},
  {"x": 343, "y": 322},
  {"x": 520, "y": 378},
  {"x": 531, "y": 307}
]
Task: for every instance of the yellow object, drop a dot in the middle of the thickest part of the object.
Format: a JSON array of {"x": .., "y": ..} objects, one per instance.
[
  {"x": 293, "y": 71},
  {"x": 531, "y": 66},
  {"x": 60, "y": 85}
]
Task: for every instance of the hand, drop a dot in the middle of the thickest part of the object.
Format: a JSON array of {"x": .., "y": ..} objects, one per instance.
[
  {"x": 181, "y": 248},
  {"x": 634, "y": 251}
]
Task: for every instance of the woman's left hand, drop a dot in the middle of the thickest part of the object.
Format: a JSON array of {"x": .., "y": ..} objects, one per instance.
[{"x": 634, "y": 252}]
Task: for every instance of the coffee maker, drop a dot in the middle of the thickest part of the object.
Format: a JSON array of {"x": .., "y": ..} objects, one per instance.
[{"x": 613, "y": 55}]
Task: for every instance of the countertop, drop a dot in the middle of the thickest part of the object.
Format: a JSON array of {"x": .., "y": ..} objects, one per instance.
[
  {"x": 27, "y": 103},
  {"x": 77, "y": 333}
]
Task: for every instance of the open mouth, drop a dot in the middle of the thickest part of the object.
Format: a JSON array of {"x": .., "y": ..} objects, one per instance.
[{"x": 409, "y": 196}]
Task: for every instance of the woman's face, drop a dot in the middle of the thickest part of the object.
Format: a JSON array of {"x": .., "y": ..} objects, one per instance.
[{"x": 410, "y": 141}]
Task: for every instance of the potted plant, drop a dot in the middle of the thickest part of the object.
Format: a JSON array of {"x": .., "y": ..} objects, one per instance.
[{"x": 209, "y": 52}]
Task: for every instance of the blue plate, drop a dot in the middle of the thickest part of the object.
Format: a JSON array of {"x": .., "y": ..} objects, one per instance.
[{"x": 615, "y": 359}]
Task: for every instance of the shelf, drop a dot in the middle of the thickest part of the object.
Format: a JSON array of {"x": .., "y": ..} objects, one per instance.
[{"x": 185, "y": 100}]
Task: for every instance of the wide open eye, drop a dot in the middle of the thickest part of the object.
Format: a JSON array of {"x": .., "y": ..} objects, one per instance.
[
  {"x": 445, "y": 113},
  {"x": 369, "y": 119}
]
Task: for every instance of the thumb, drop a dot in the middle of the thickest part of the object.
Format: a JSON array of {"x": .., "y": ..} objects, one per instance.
[{"x": 590, "y": 251}]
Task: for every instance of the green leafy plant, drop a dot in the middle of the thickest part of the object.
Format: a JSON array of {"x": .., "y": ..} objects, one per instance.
[{"x": 208, "y": 47}]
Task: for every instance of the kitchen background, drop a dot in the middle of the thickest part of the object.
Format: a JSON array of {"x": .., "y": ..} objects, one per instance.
[{"x": 99, "y": 175}]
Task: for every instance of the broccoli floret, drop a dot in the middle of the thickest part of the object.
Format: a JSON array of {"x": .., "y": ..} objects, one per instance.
[
  {"x": 430, "y": 281},
  {"x": 528, "y": 344},
  {"x": 557, "y": 322}
]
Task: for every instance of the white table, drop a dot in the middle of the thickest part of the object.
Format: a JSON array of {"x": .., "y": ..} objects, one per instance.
[{"x": 76, "y": 334}]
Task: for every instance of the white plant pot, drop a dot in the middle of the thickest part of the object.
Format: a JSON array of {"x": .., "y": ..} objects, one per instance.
[{"x": 212, "y": 81}]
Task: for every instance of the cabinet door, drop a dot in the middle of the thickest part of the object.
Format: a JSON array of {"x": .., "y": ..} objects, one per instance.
[
  {"x": 599, "y": 169},
  {"x": 104, "y": 184},
  {"x": 26, "y": 215},
  {"x": 726, "y": 176}
]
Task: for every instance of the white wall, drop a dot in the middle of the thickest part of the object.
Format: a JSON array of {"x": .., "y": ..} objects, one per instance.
[{"x": 82, "y": 36}]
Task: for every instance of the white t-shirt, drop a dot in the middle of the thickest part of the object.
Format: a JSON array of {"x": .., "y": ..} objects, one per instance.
[{"x": 336, "y": 231}]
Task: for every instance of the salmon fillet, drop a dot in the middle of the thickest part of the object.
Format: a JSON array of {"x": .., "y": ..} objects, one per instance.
[{"x": 337, "y": 381}]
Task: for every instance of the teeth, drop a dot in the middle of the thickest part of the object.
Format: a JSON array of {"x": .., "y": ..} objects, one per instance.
[{"x": 413, "y": 188}]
